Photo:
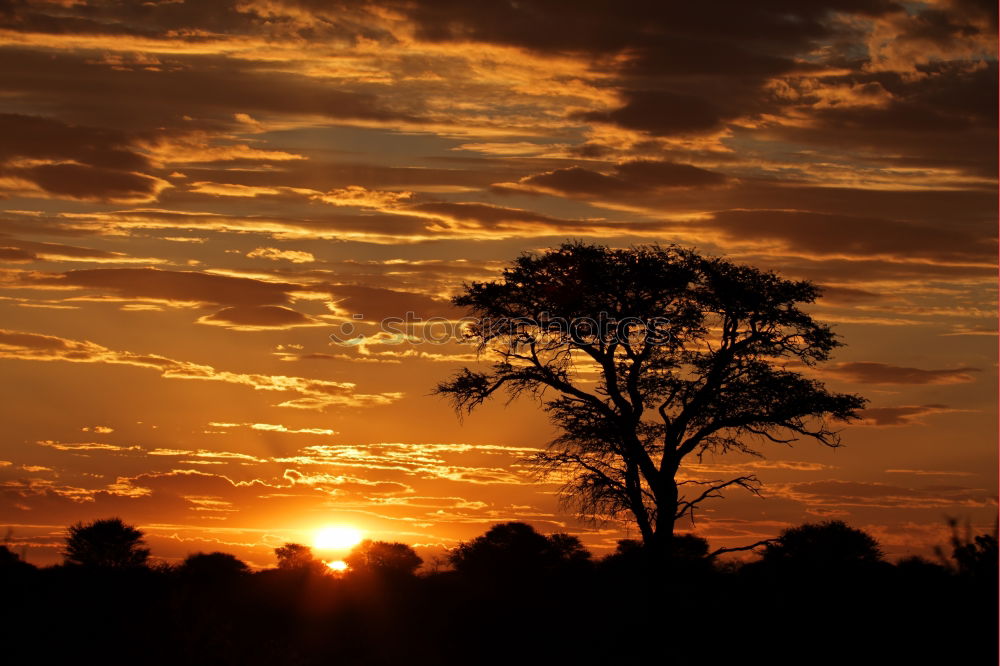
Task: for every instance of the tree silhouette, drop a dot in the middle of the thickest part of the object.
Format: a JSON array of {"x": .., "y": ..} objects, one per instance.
[
  {"x": 515, "y": 549},
  {"x": 688, "y": 552},
  {"x": 296, "y": 557},
  {"x": 828, "y": 545},
  {"x": 107, "y": 543},
  {"x": 383, "y": 558},
  {"x": 12, "y": 562},
  {"x": 972, "y": 556},
  {"x": 691, "y": 355},
  {"x": 212, "y": 566}
]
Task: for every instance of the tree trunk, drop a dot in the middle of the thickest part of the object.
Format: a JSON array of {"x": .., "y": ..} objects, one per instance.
[{"x": 666, "y": 510}]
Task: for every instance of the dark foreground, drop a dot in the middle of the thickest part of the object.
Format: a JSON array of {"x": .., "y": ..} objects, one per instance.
[{"x": 612, "y": 612}]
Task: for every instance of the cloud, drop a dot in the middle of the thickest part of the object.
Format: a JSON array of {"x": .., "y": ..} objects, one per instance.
[
  {"x": 627, "y": 178},
  {"x": 904, "y": 415},
  {"x": 16, "y": 255},
  {"x": 207, "y": 86},
  {"x": 375, "y": 303},
  {"x": 84, "y": 446},
  {"x": 42, "y": 138},
  {"x": 883, "y": 373},
  {"x": 836, "y": 493},
  {"x": 175, "y": 286},
  {"x": 452, "y": 462},
  {"x": 355, "y": 195},
  {"x": 660, "y": 112},
  {"x": 258, "y": 318},
  {"x": 275, "y": 254},
  {"x": 274, "y": 427},
  {"x": 832, "y": 235},
  {"x": 39, "y": 251},
  {"x": 337, "y": 484},
  {"x": 304, "y": 393},
  {"x": 50, "y": 157},
  {"x": 927, "y": 472},
  {"x": 91, "y": 183}
]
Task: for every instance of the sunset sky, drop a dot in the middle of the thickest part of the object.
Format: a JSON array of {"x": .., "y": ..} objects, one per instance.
[{"x": 194, "y": 194}]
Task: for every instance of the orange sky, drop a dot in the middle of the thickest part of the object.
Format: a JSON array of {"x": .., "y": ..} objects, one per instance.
[{"x": 194, "y": 195}]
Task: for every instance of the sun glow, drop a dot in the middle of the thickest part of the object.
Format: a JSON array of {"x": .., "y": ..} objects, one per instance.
[
  {"x": 337, "y": 565},
  {"x": 337, "y": 538}
]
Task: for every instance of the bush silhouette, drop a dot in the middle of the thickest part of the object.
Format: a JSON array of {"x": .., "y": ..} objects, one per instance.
[
  {"x": 973, "y": 556},
  {"x": 296, "y": 557},
  {"x": 516, "y": 596},
  {"x": 828, "y": 545},
  {"x": 213, "y": 566},
  {"x": 383, "y": 558},
  {"x": 107, "y": 544},
  {"x": 515, "y": 549}
]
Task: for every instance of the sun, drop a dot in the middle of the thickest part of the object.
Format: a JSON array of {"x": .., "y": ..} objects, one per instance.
[
  {"x": 337, "y": 565},
  {"x": 337, "y": 538}
]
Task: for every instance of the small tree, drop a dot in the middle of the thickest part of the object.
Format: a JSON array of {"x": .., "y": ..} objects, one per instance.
[
  {"x": 108, "y": 543},
  {"x": 383, "y": 558},
  {"x": 212, "y": 566},
  {"x": 645, "y": 358},
  {"x": 11, "y": 562},
  {"x": 515, "y": 549},
  {"x": 296, "y": 557},
  {"x": 828, "y": 545},
  {"x": 971, "y": 556}
]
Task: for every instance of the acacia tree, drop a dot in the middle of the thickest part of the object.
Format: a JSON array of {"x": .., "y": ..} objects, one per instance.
[
  {"x": 644, "y": 358},
  {"x": 109, "y": 543}
]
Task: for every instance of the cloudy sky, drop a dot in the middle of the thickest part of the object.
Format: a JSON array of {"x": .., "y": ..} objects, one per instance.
[{"x": 194, "y": 194}]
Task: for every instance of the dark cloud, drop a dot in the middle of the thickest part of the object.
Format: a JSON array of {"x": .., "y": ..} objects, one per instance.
[
  {"x": 880, "y": 494},
  {"x": 659, "y": 112},
  {"x": 970, "y": 210},
  {"x": 627, "y": 178},
  {"x": 151, "y": 283},
  {"x": 59, "y": 250},
  {"x": 904, "y": 415},
  {"x": 861, "y": 272},
  {"x": 16, "y": 255},
  {"x": 48, "y": 138},
  {"x": 683, "y": 68},
  {"x": 884, "y": 373},
  {"x": 322, "y": 174},
  {"x": 945, "y": 117},
  {"x": 258, "y": 317},
  {"x": 849, "y": 295},
  {"x": 189, "y": 20},
  {"x": 77, "y": 162},
  {"x": 486, "y": 214},
  {"x": 601, "y": 27},
  {"x": 822, "y": 234},
  {"x": 200, "y": 91},
  {"x": 86, "y": 182}
]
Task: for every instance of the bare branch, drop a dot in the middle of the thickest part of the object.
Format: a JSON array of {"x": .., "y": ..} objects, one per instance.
[{"x": 720, "y": 551}]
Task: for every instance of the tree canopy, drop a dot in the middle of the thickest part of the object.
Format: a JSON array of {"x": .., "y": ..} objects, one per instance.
[
  {"x": 213, "y": 566},
  {"x": 515, "y": 549},
  {"x": 825, "y": 545},
  {"x": 107, "y": 543},
  {"x": 645, "y": 357},
  {"x": 383, "y": 558},
  {"x": 296, "y": 557}
]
